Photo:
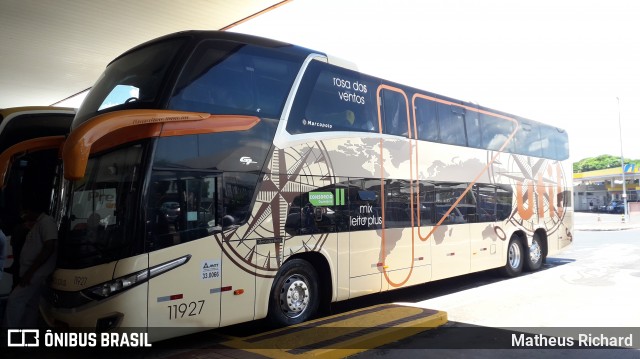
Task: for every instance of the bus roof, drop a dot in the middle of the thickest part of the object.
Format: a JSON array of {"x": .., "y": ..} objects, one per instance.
[{"x": 200, "y": 35}]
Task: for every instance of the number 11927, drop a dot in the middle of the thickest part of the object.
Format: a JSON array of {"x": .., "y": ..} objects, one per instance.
[{"x": 182, "y": 310}]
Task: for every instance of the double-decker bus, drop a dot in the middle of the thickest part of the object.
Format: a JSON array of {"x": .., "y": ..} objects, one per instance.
[
  {"x": 30, "y": 138},
  {"x": 217, "y": 178}
]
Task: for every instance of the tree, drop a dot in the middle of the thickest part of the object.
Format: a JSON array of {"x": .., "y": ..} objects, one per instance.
[{"x": 599, "y": 163}]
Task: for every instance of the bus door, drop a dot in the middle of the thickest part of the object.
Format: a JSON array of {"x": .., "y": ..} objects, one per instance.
[
  {"x": 403, "y": 255},
  {"x": 183, "y": 214}
]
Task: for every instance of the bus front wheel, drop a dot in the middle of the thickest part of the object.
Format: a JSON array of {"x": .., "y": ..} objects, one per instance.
[
  {"x": 515, "y": 257},
  {"x": 294, "y": 294}
]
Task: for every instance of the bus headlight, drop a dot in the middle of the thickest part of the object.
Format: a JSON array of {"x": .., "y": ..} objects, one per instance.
[
  {"x": 107, "y": 289},
  {"x": 116, "y": 286}
]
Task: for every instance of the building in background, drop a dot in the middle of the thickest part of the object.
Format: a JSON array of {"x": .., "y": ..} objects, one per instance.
[{"x": 602, "y": 187}]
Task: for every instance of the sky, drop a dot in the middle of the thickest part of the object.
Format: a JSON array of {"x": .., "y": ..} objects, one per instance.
[{"x": 561, "y": 62}]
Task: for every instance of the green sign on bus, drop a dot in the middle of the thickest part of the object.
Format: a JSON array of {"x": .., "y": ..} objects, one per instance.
[
  {"x": 321, "y": 199},
  {"x": 324, "y": 199}
]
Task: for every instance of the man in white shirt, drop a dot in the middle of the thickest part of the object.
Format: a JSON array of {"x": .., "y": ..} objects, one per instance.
[{"x": 37, "y": 262}]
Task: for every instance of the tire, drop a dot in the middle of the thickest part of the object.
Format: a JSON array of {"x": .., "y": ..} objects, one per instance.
[
  {"x": 535, "y": 254},
  {"x": 515, "y": 258},
  {"x": 294, "y": 294}
]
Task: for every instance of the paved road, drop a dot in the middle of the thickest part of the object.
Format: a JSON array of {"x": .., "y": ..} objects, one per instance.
[
  {"x": 585, "y": 221},
  {"x": 590, "y": 287}
]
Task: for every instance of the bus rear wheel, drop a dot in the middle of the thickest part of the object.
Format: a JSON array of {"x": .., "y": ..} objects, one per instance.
[
  {"x": 294, "y": 295},
  {"x": 535, "y": 256},
  {"x": 514, "y": 264}
]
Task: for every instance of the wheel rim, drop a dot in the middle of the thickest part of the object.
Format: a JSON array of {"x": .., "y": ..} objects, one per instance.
[
  {"x": 514, "y": 255},
  {"x": 535, "y": 252},
  {"x": 294, "y": 296}
]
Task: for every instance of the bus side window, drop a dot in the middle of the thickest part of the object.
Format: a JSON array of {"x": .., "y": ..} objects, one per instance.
[
  {"x": 528, "y": 141},
  {"x": 198, "y": 198},
  {"x": 181, "y": 207},
  {"x": 472, "y": 125},
  {"x": 504, "y": 202},
  {"x": 319, "y": 210},
  {"x": 365, "y": 211},
  {"x": 397, "y": 204},
  {"x": 426, "y": 120},
  {"x": 331, "y": 98},
  {"x": 162, "y": 210},
  {"x": 236, "y": 201},
  {"x": 451, "y": 120},
  {"x": 495, "y": 133},
  {"x": 487, "y": 202},
  {"x": 426, "y": 203},
  {"x": 394, "y": 113},
  {"x": 555, "y": 144},
  {"x": 446, "y": 194}
]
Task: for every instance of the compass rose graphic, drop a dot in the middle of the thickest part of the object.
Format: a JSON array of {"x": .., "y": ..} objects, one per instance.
[
  {"x": 539, "y": 189},
  {"x": 262, "y": 245}
]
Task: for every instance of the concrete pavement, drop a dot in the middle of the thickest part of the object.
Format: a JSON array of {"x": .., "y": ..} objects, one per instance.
[{"x": 589, "y": 221}]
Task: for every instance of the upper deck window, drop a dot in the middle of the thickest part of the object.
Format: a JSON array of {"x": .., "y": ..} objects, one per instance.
[
  {"x": 556, "y": 144},
  {"x": 224, "y": 77},
  {"x": 426, "y": 120},
  {"x": 440, "y": 122},
  {"x": 451, "y": 120},
  {"x": 333, "y": 99},
  {"x": 394, "y": 113},
  {"x": 495, "y": 133},
  {"x": 528, "y": 141}
]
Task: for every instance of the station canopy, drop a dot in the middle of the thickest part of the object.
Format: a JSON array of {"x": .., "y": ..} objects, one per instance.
[{"x": 51, "y": 50}]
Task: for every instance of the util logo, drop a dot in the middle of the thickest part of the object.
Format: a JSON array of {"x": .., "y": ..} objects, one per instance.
[{"x": 547, "y": 184}]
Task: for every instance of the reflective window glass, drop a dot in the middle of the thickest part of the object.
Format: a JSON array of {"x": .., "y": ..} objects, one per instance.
[
  {"x": 333, "y": 99},
  {"x": 102, "y": 207},
  {"x": 472, "y": 126},
  {"x": 426, "y": 120},
  {"x": 446, "y": 195},
  {"x": 555, "y": 143},
  {"x": 451, "y": 120},
  {"x": 231, "y": 78},
  {"x": 504, "y": 202},
  {"x": 365, "y": 211},
  {"x": 394, "y": 113},
  {"x": 181, "y": 207},
  {"x": 131, "y": 81},
  {"x": 319, "y": 210},
  {"x": 495, "y": 132},
  {"x": 528, "y": 141},
  {"x": 397, "y": 205}
]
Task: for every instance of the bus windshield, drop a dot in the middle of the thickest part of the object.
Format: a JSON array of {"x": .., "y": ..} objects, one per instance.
[
  {"x": 219, "y": 77},
  {"x": 101, "y": 210},
  {"x": 226, "y": 77}
]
